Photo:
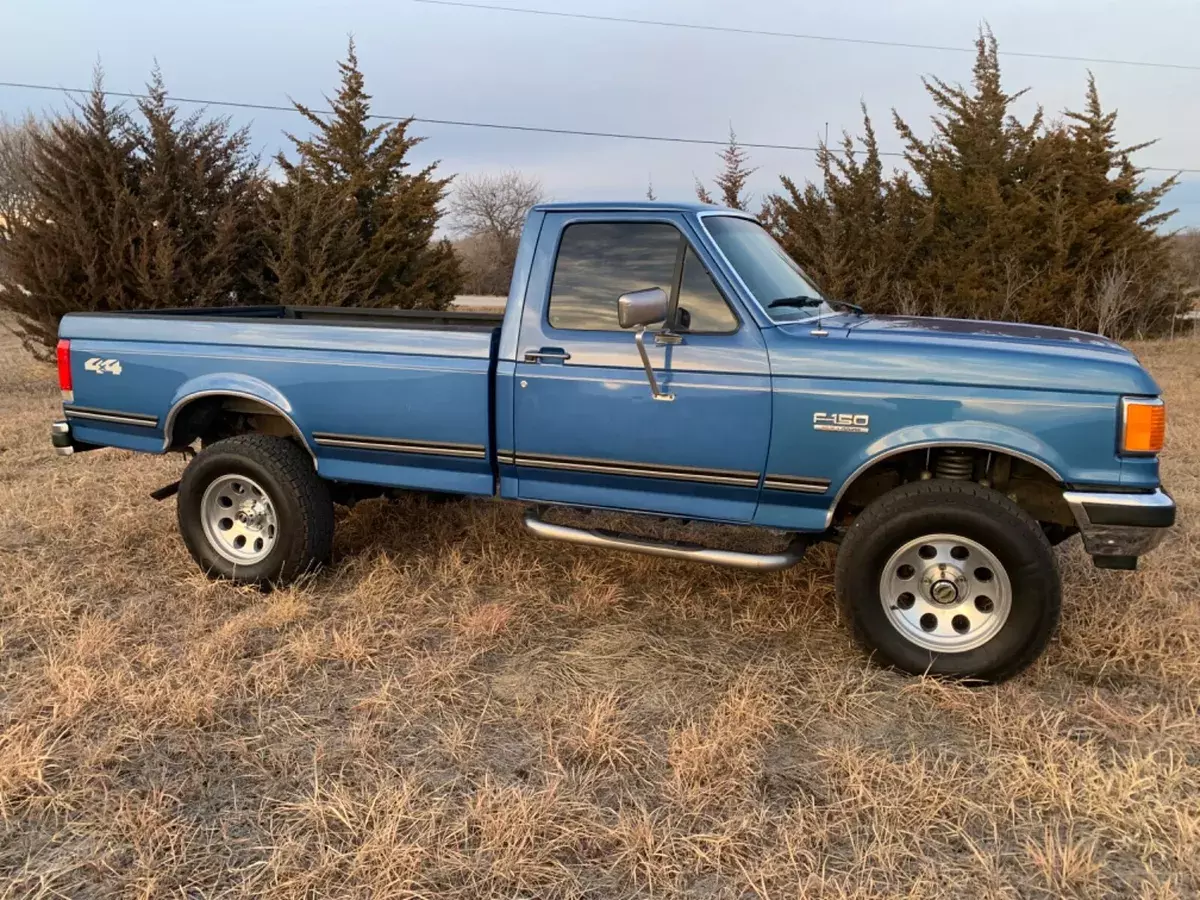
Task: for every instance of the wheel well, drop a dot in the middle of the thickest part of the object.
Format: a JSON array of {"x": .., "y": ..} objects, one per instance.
[
  {"x": 1030, "y": 486},
  {"x": 215, "y": 417}
]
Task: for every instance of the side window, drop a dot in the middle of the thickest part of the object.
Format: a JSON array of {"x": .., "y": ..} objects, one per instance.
[
  {"x": 701, "y": 307},
  {"x": 599, "y": 261}
]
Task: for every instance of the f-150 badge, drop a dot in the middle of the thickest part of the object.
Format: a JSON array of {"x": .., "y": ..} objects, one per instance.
[{"x": 853, "y": 423}]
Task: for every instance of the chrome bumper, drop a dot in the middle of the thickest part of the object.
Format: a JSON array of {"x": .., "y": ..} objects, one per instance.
[
  {"x": 60, "y": 437},
  {"x": 1118, "y": 528},
  {"x": 64, "y": 441}
]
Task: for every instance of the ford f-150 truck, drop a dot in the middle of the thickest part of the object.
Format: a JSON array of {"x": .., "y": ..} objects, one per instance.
[{"x": 669, "y": 360}]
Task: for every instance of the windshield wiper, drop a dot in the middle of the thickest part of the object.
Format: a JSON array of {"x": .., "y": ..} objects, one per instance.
[
  {"x": 804, "y": 301},
  {"x": 846, "y": 304}
]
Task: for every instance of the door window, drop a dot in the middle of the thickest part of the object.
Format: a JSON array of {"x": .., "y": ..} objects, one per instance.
[
  {"x": 600, "y": 261},
  {"x": 701, "y": 309}
]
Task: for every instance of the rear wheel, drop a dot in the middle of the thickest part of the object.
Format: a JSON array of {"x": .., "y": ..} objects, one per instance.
[
  {"x": 949, "y": 578},
  {"x": 252, "y": 509}
]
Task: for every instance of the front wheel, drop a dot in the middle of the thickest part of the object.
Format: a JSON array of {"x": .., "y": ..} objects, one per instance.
[
  {"x": 252, "y": 509},
  {"x": 950, "y": 578}
]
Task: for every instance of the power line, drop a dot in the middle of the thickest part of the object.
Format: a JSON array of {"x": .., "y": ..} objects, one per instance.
[
  {"x": 498, "y": 126},
  {"x": 795, "y": 35},
  {"x": 539, "y": 129}
]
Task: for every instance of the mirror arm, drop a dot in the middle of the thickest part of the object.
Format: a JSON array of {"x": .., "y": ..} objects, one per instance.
[{"x": 640, "y": 340}]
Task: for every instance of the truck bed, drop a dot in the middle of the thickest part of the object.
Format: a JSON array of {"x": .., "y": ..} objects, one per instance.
[
  {"x": 388, "y": 397},
  {"x": 329, "y": 315}
]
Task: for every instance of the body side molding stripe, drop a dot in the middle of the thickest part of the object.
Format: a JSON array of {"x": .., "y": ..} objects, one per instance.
[
  {"x": 115, "y": 416},
  {"x": 399, "y": 445},
  {"x": 732, "y": 477},
  {"x": 796, "y": 483}
]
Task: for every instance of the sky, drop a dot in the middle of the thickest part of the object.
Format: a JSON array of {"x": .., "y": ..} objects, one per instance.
[{"x": 492, "y": 66}]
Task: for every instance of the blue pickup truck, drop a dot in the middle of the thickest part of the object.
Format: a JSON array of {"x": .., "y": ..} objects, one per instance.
[{"x": 669, "y": 360}]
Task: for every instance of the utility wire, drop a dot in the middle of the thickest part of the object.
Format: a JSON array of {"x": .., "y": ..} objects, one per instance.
[
  {"x": 794, "y": 35},
  {"x": 499, "y": 126}
]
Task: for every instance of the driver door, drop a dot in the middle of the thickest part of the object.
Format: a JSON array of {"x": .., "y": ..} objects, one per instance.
[{"x": 587, "y": 430}]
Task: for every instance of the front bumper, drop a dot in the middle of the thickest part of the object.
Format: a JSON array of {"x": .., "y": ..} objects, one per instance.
[{"x": 1118, "y": 528}]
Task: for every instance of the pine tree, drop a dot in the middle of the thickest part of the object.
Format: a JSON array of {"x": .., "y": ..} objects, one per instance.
[
  {"x": 74, "y": 249},
  {"x": 1107, "y": 227},
  {"x": 999, "y": 219},
  {"x": 976, "y": 171},
  {"x": 352, "y": 224},
  {"x": 124, "y": 214},
  {"x": 199, "y": 240},
  {"x": 856, "y": 233},
  {"x": 732, "y": 179}
]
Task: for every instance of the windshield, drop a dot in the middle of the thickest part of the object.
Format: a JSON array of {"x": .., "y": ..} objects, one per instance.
[{"x": 769, "y": 273}]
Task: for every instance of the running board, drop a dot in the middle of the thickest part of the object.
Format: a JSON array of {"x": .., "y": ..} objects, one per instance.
[{"x": 599, "y": 537}]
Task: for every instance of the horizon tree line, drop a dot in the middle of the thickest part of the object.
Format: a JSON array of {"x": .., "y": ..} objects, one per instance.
[{"x": 109, "y": 208}]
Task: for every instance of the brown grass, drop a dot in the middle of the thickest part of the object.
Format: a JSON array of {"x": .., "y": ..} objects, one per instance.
[{"x": 452, "y": 709}]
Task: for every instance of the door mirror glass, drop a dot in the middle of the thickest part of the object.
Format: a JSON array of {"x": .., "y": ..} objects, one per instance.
[{"x": 648, "y": 307}]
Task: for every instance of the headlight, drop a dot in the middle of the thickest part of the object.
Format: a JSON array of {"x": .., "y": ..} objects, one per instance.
[{"x": 1143, "y": 425}]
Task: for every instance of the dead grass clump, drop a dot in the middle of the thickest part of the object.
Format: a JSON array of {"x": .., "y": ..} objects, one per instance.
[
  {"x": 593, "y": 730},
  {"x": 717, "y": 758}
]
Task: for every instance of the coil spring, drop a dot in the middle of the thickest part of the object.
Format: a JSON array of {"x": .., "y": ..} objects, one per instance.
[{"x": 954, "y": 466}]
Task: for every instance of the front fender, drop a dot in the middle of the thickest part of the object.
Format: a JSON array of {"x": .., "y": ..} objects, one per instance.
[
  {"x": 984, "y": 435},
  {"x": 981, "y": 435}
]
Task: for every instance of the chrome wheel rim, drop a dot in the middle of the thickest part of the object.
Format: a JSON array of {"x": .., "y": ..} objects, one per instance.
[
  {"x": 946, "y": 593},
  {"x": 239, "y": 519}
]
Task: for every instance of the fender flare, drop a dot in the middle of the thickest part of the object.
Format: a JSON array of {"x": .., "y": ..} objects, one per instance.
[
  {"x": 229, "y": 385},
  {"x": 975, "y": 435}
]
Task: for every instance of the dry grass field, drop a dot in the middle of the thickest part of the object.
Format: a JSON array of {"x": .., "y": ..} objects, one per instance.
[{"x": 452, "y": 709}]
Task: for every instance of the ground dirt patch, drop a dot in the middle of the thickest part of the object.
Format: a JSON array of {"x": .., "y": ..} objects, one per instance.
[{"x": 452, "y": 709}]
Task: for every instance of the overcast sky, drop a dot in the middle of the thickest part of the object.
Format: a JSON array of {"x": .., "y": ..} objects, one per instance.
[{"x": 472, "y": 64}]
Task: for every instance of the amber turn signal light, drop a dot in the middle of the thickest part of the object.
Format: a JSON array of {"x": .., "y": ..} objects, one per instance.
[{"x": 1145, "y": 426}]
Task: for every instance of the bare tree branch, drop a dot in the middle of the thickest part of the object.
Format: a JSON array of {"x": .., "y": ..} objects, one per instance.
[
  {"x": 488, "y": 212},
  {"x": 16, "y": 172}
]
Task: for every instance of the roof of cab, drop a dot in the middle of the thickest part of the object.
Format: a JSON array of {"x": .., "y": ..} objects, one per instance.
[{"x": 636, "y": 206}]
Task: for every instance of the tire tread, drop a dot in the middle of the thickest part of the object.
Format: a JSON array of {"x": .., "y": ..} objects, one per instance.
[
  {"x": 993, "y": 503},
  {"x": 292, "y": 466}
]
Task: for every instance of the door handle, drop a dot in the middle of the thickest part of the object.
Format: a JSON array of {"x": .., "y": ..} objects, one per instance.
[{"x": 547, "y": 354}]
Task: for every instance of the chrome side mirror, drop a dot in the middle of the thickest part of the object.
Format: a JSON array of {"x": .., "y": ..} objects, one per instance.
[
  {"x": 648, "y": 307},
  {"x": 639, "y": 309}
]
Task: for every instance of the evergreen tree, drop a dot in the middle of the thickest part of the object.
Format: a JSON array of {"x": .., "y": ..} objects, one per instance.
[
  {"x": 976, "y": 172},
  {"x": 131, "y": 215},
  {"x": 1000, "y": 219},
  {"x": 16, "y": 168},
  {"x": 1106, "y": 227},
  {"x": 199, "y": 240},
  {"x": 74, "y": 248},
  {"x": 732, "y": 179},
  {"x": 352, "y": 224},
  {"x": 857, "y": 232}
]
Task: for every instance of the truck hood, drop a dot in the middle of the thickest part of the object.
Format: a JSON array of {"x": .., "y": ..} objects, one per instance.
[
  {"x": 987, "y": 354},
  {"x": 1034, "y": 335}
]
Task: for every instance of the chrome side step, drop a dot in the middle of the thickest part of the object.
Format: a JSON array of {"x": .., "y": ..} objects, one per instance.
[{"x": 598, "y": 537}]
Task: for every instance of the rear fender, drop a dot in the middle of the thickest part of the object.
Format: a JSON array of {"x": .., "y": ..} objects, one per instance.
[{"x": 229, "y": 384}]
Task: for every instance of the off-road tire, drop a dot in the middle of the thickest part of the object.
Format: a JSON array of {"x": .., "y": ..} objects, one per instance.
[
  {"x": 300, "y": 498},
  {"x": 972, "y": 511}
]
